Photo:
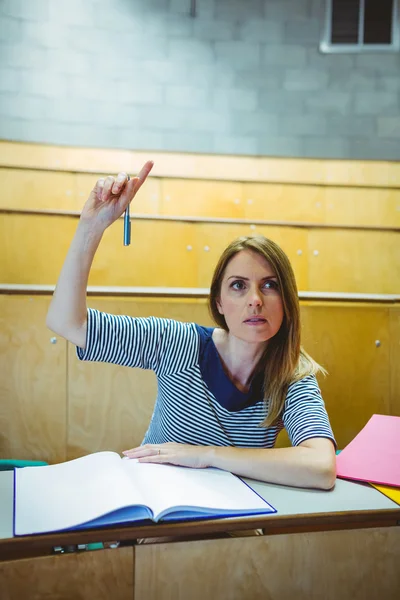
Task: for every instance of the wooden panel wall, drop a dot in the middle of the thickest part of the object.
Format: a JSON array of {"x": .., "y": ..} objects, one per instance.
[
  {"x": 293, "y": 202},
  {"x": 354, "y": 261},
  {"x": 102, "y": 575},
  {"x": 351, "y": 565},
  {"x": 394, "y": 324},
  {"x": 198, "y": 166},
  {"x": 179, "y": 254},
  {"x": 343, "y": 339},
  {"x": 308, "y": 192},
  {"x": 54, "y": 407},
  {"x": 33, "y": 399}
]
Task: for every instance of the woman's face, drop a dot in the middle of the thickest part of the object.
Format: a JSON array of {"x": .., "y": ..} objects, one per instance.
[{"x": 250, "y": 299}]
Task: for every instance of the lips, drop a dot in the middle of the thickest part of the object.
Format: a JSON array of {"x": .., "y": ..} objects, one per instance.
[{"x": 256, "y": 320}]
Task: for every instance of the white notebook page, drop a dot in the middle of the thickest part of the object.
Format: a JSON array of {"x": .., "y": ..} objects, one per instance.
[
  {"x": 61, "y": 496},
  {"x": 167, "y": 486}
]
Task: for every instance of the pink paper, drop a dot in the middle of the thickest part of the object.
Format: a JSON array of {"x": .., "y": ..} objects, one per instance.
[{"x": 374, "y": 454}]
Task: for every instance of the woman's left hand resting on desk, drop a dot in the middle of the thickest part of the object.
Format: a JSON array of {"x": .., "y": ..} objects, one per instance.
[{"x": 311, "y": 464}]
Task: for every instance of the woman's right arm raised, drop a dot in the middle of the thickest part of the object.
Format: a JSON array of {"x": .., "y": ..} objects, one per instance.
[{"x": 67, "y": 314}]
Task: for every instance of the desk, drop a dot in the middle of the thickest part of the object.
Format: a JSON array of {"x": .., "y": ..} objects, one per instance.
[{"x": 344, "y": 544}]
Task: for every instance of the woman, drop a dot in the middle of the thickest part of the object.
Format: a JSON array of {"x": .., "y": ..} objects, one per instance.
[{"x": 224, "y": 392}]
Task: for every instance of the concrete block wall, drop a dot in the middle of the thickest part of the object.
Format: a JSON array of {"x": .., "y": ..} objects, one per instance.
[{"x": 242, "y": 77}]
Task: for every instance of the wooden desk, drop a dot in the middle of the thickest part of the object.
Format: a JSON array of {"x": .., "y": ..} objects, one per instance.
[{"x": 344, "y": 544}]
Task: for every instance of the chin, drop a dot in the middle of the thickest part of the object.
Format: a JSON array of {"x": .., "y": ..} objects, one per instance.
[{"x": 252, "y": 337}]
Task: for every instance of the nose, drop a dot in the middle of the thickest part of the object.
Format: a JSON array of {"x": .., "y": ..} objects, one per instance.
[{"x": 254, "y": 298}]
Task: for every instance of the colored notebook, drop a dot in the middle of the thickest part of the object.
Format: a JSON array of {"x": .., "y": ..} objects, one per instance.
[
  {"x": 374, "y": 454},
  {"x": 104, "y": 489},
  {"x": 391, "y": 492}
]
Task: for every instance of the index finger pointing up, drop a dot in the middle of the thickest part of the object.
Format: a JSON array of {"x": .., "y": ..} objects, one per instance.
[{"x": 142, "y": 176}]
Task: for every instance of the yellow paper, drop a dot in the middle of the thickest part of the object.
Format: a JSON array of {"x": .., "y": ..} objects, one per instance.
[{"x": 391, "y": 492}]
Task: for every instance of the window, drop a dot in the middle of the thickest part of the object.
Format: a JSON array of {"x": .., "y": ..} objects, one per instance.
[{"x": 361, "y": 26}]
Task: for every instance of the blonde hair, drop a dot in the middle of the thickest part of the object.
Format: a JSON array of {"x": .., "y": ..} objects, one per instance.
[{"x": 284, "y": 360}]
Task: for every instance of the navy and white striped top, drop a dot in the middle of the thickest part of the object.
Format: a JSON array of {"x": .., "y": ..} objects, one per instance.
[{"x": 196, "y": 401}]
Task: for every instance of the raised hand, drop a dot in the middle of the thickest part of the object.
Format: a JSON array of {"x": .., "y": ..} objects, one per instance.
[{"x": 110, "y": 197}]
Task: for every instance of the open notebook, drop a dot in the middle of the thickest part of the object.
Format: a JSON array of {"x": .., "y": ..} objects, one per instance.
[{"x": 104, "y": 489}]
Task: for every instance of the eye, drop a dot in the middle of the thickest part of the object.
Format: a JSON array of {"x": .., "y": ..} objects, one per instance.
[
  {"x": 271, "y": 284},
  {"x": 237, "y": 285}
]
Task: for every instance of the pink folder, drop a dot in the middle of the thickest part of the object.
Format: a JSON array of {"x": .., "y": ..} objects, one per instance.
[{"x": 374, "y": 454}]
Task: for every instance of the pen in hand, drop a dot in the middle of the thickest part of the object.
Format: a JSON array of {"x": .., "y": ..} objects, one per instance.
[
  {"x": 139, "y": 180},
  {"x": 127, "y": 225}
]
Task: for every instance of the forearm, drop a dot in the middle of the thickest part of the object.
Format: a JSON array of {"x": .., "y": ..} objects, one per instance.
[
  {"x": 297, "y": 466},
  {"x": 67, "y": 313}
]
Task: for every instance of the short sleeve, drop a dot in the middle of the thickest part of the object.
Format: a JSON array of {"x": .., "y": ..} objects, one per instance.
[
  {"x": 147, "y": 343},
  {"x": 304, "y": 415}
]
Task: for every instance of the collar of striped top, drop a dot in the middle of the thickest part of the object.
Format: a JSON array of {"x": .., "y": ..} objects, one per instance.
[{"x": 218, "y": 382}]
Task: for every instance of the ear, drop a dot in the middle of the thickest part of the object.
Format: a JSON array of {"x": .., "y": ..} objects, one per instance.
[{"x": 219, "y": 306}]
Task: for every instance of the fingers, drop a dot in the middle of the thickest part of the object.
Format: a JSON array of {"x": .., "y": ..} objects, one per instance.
[
  {"x": 141, "y": 178},
  {"x": 114, "y": 186},
  {"x": 134, "y": 185},
  {"x": 140, "y": 451},
  {"x": 151, "y": 452},
  {"x": 99, "y": 187},
  {"x": 108, "y": 184},
  {"x": 119, "y": 184},
  {"x": 172, "y": 453},
  {"x": 145, "y": 170}
]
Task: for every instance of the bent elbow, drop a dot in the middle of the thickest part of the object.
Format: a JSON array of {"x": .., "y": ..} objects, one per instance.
[
  {"x": 54, "y": 324},
  {"x": 76, "y": 334},
  {"x": 51, "y": 323},
  {"x": 327, "y": 475},
  {"x": 328, "y": 482}
]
